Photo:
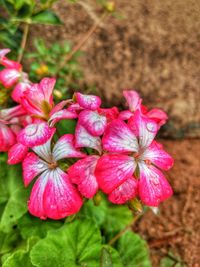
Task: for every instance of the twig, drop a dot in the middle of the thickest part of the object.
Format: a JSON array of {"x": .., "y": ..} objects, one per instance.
[
  {"x": 23, "y": 43},
  {"x": 82, "y": 41},
  {"x": 115, "y": 238}
]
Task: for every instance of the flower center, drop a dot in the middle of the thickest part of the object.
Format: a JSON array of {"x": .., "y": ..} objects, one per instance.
[{"x": 53, "y": 165}]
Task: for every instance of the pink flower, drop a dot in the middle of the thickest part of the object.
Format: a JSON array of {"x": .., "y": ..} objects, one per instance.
[
  {"x": 38, "y": 99},
  {"x": 93, "y": 118},
  {"x": 12, "y": 72},
  {"x": 135, "y": 103},
  {"x": 9, "y": 126},
  {"x": 133, "y": 146},
  {"x": 53, "y": 195}
]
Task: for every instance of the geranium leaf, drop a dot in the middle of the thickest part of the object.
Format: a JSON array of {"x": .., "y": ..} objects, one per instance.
[
  {"x": 133, "y": 250},
  {"x": 32, "y": 226},
  {"x": 46, "y": 17},
  {"x": 21, "y": 256},
  {"x": 15, "y": 197},
  {"x": 110, "y": 257},
  {"x": 75, "y": 244}
]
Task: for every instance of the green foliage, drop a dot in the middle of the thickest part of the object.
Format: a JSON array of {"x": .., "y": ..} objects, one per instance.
[
  {"x": 133, "y": 250},
  {"x": 50, "y": 61},
  {"x": 75, "y": 244},
  {"x": 19, "y": 12}
]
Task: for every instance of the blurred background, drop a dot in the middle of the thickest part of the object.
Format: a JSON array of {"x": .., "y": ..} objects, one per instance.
[{"x": 103, "y": 47}]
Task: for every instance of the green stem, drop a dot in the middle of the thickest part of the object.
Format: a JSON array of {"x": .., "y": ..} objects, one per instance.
[
  {"x": 24, "y": 41},
  {"x": 129, "y": 226}
]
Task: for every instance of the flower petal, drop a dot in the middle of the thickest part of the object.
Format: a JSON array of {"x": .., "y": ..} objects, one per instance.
[
  {"x": 112, "y": 170},
  {"x": 8, "y": 77},
  {"x": 17, "y": 153},
  {"x": 158, "y": 115},
  {"x": 125, "y": 115},
  {"x": 153, "y": 186},
  {"x": 144, "y": 128},
  {"x": 85, "y": 139},
  {"x": 44, "y": 150},
  {"x": 19, "y": 90},
  {"x": 61, "y": 115},
  {"x": 133, "y": 99},
  {"x": 46, "y": 86},
  {"x": 35, "y": 134},
  {"x": 53, "y": 196},
  {"x": 119, "y": 138},
  {"x": 7, "y": 138},
  {"x": 32, "y": 166},
  {"x": 94, "y": 123},
  {"x": 126, "y": 191},
  {"x": 158, "y": 156},
  {"x": 64, "y": 148},
  {"x": 91, "y": 102},
  {"x": 82, "y": 174}
]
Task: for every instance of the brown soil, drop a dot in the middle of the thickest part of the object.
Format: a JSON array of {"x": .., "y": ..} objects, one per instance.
[
  {"x": 177, "y": 227},
  {"x": 154, "y": 48}
]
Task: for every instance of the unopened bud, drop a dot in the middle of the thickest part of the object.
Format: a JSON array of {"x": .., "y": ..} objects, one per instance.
[
  {"x": 110, "y": 6},
  {"x": 97, "y": 199},
  {"x": 58, "y": 94},
  {"x": 135, "y": 205},
  {"x": 42, "y": 70}
]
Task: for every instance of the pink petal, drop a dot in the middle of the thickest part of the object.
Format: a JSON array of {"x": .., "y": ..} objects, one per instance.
[
  {"x": 112, "y": 170},
  {"x": 44, "y": 150},
  {"x": 64, "y": 148},
  {"x": 7, "y": 138},
  {"x": 119, "y": 138},
  {"x": 82, "y": 174},
  {"x": 158, "y": 115},
  {"x": 88, "y": 101},
  {"x": 46, "y": 86},
  {"x": 84, "y": 139},
  {"x": 3, "y": 52},
  {"x": 8, "y": 77},
  {"x": 153, "y": 186},
  {"x": 17, "y": 153},
  {"x": 94, "y": 123},
  {"x": 32, "y": 166},
  {"x": 9, "y": 113},
  {"x": 133, "y": 99},
  {"x": 126, "y": 191},
  {"x": 109, "y": 113},
  {"x": 144, "y": 128},
  {"x": 158, "y": 156},
  {"x": 61, "y": 115},
  {"x": 35, "y": 134},
  {"x": 53, "y": 196},
  {"x": 125, "y": 115},
  {"x": 19, "y": 90}
]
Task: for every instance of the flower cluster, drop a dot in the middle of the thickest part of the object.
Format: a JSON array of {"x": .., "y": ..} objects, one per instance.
[{"x": 110, "y": 150}]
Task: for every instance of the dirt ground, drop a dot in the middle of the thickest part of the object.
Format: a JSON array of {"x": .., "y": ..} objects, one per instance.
[
  {"x": 177, "y": 228},
  {"x": 154, "y": 48}
]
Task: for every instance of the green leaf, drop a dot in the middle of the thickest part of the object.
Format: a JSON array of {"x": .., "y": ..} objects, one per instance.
[
  {"x": 110, "y": 257},
  {"x": 14, "y": 195},
  {"x": 46, "y": 17},
  {"x": 21, "y": 256},
  {"x": 8, "y": 241},
  {"x": 32, "y": 226},
  {"x": 66, "y": 126},
  {"x": 75, "y": 244},
  {"x": 133, "y": 250},
  {"x": 111, "y": 218}
]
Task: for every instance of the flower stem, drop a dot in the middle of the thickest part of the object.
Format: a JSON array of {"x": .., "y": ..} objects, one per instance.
[
  {"x": 23, "y": 42},
  {"x": 130, "y": 225}
]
